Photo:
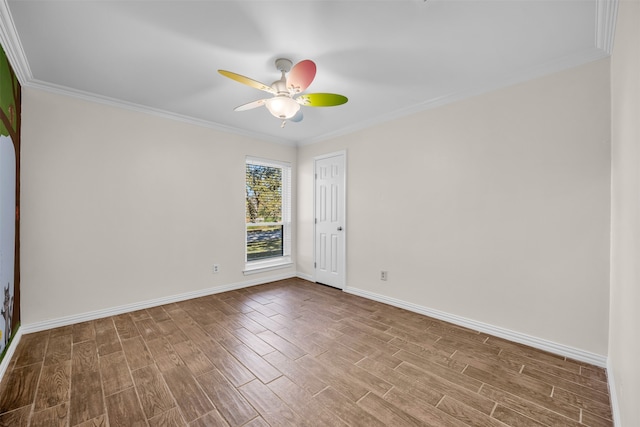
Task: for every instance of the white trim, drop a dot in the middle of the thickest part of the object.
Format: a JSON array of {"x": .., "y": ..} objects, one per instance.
[
  {"x": 305, "y": 276},
  {"x": 342, "y": 153},
  {"x": 613, "y": 395},
  {"x": 98, "y": 314},
  {"x": 255, "y": 267},
  {"x": 606, "y": 13},
  {"x": 539, "y": 343},
  {"x": 12, "y": 45},
  {"x": 10, "y": 350}
]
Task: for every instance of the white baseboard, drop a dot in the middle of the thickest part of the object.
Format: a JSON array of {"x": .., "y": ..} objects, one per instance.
[
  {"x": 539, "y": 343},
  {"x": 98, "y": 314},
  {"x": 4, "y": 364},
  {"x": 613, "y": 395},
  {"x": 304, "y": 276}
]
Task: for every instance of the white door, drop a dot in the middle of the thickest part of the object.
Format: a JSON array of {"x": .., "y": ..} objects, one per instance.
[{"x": 330, "y": 217}]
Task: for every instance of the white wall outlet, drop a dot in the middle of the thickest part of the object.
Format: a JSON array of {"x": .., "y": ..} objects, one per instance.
[
  {"x": 383, "y": 275},
  {"x": 216, "y": 268}
]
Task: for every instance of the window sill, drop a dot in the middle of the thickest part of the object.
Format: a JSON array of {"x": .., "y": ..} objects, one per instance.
[{"x": 262, "y": 266}]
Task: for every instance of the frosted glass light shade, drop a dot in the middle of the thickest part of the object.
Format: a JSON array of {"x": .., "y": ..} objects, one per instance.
[{"x": 282, "y": 107}]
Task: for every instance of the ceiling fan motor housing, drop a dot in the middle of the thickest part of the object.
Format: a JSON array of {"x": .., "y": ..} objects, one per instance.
[{"x": 284, "y": 64}]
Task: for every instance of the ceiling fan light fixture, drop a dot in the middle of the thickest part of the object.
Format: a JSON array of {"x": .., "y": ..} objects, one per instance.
[{"x": 282, "y": 107}]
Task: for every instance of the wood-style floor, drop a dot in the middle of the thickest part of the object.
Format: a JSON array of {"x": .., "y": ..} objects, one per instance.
[{"x": 291, "y": 353}]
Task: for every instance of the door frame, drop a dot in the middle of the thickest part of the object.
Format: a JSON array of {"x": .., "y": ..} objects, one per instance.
[{"x": 343, "y": 201}]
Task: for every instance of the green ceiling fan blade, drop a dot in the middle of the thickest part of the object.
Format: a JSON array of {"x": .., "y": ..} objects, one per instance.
[
  {"x": 247, "y": 81},
  {"x": 321, "y": 99}
]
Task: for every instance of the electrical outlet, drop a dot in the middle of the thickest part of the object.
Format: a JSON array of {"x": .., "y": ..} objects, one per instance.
[
  {"x": 383, "y": 275},
  {"x": 216, "y": 268}
]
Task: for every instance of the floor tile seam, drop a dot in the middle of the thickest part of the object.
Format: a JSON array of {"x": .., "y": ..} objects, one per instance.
[
  {"x": 525, "y": 367},
  {"x": 126, "y": 361},
  {"x": 536, "y": 404},
  {"x": 35, "y": 392}
]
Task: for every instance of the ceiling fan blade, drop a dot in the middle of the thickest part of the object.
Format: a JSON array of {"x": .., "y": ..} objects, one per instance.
[
  {"x": 250, "y": 105},
  {"x": 247, "y": 81},
  {"x": 297, "y": 118},
  {"x": 321, "y": 99},
  {"x": 301, "y": 75}
]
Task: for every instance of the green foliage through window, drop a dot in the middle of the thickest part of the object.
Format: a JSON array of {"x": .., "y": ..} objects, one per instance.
[{"x": 267, "y": 214}]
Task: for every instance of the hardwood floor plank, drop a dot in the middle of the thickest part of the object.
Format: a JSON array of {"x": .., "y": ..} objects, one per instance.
[
  {"x": 154, "y": 395},
  {"x": 548, "y": 410},
  {"x": 424, "y": 412},
  {"x": 253, "y": 341},
  {"x": 595, "y": 421},
  {"x": 303, "y": 377},
  {"x": 226, "y": 398},
  {"x": 291, "y": 353},
  {"x": 148, "y": 328},
  {"x": 55, "y": 416},
  {"x": 444, "y": 386},
  {"x": 355, "y": 373},
  {"x": 84, "y": 331},
  {"x": 195, "y": 360},
  {"x": 33, "y": 349},
  {"x": 124, "y": 409},
  {"x": 193, "y": 402},
  {"x": 136, "y": 353},
  {"x": 54, "y": 386},
  {"x": 402, "y": 382},
  {"x": 387, "y": 412},
  {"x": 285, "y": 347},
  {"x": 158, "y": 314},
  {"x": 16, "y": 418},
  {"x": 513, "y": 418},
  {"x": 602, "y": 410},
  {"x": 228, "y": 365},
  {"x": 115, "y": 373},
  {"x": 270, "y": 407},
  {"x": 346, "y": 410},
  {"x": 99, "y": 421},
  {"x": 84, "y": 357},
  {"x": 171, "y": 418},
  {"x": 262, "y": 369},
  {"x": 303, "y": 403},
  {"x": 517, "y": 384},
  {"x": 596, "y": 391},
  {"x": 86, "y": 399},
  {"x": 58, "y": 350},
  {"x": 213, "y": 418},
  {"x": 467, "y": 414},
  {"x": 125, "y": 327},
  {"x": 466, "y": 381},
  {"x": 18, "y": 387},
  {"x": 107, "y": 339}
]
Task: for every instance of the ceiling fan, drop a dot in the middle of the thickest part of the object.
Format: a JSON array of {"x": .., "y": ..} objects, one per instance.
[{"x": 287, "y": 98}]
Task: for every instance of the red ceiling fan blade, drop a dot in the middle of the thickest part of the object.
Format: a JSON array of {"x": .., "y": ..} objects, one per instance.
[
  {"x": 301, "y": 76},
  {"x": 321, "y": 99},
  {"x": 250, "y": 105},
  {"x": 247, "y": 81}
]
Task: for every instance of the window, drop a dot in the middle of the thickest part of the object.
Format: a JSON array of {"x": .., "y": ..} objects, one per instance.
[{"x": 267, "y": 214}]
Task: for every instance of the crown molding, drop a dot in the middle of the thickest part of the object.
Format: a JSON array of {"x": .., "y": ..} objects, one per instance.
[
  {"x": 606, "y": 13},
  {"x": 12, "y": 45}
]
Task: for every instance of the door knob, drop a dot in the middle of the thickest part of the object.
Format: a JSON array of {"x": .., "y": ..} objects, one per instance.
[{"x": 339, "y": 228}]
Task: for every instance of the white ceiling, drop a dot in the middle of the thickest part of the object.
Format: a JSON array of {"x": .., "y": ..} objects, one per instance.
[{"x": 390, "y": 58}]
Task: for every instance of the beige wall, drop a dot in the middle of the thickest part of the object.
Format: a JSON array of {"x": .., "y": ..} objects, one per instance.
[
  {"x": 624, "y": 344},
  {"x": 120, "y": 207},
  {"x": 494, "y": 209}
]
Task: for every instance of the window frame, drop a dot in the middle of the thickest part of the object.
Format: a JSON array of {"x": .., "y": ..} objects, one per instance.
[{"x": 276, "y": 262}]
